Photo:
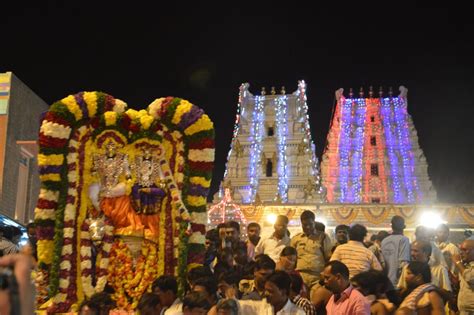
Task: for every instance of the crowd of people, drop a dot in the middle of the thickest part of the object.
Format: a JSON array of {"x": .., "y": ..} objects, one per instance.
[{"x": 310, "y": 273}]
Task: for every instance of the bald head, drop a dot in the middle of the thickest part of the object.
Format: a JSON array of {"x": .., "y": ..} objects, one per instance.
[{"x": 467, "y": 251}]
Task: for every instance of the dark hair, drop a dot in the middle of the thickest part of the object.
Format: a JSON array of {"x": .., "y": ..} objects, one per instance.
[
  {"x": 319, "y": 226},
  {"x": 282, "y": 218},
  {"x": 338, "y": 267},
  {"x": 381, "y": 235},
  {"x": 233, "y": 224},
  {"x": 420, "y": 268},
  {"x": 165, "y": 283},
  {"x": 425, "y": 247},
  {"x": 342, "y": 227},
  {"x": 220, "y": 226},
  {"x": 228, "y": 305},
  {"x": 398, "y": 223},
  {"x": 231, "y": 278},
  {"x": 357, "y": 232},
  {"x": 373, "y": 281},
  {"x": 31, "y": 225},
  {"x": 281, "y": 279},
  {"x": 196, "y": 299},
  {"x": 307, "y": 215},
  {"x": 199, "y": 272},
  {"x": 288, "y": 251},
  {"x": 213, "y": 235},
  {"x": 253, "y": 224},
  {"x": 208, "y": 283},
  {"x": 148, "y": 303},
  {"x": 264, "y": 262},
  {"x": 99, "y": 303},
  {"x": 296, "y": 282}
]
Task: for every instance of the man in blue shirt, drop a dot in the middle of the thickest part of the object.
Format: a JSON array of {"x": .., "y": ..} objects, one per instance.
[{"x": 396, "y": 250}]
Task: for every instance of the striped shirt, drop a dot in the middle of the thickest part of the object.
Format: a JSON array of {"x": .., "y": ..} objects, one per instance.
[
  {"x": 356, "y": 257},
  {"x": 305, "y": 305}
]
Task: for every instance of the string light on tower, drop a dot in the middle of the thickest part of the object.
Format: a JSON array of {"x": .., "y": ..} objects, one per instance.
[
  {"x": 256, "y": 136},
  {"x": 303, "y": 106},
  {"x": 282, "y": 132}
]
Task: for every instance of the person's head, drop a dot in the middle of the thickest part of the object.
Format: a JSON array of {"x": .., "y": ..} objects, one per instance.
[
  {"x": 296, "y": 285},
  {"x": 195, "y": 303},
  {"x": 336, "y": 276},
  {"x": 212, "y": 239},
  {"x": 31, "y": 230},
  {"x": 227, "y": 307},
  {"x": 420, "y": 251},
  {"x": 149, "y": 304},
  {"x": 342, "y": 233},
  {"x": 240, "y": 254},
  {"x": 281, "y": 226},
  {"x": 381, "y": 236},
  {"x": 228, "y": 280},
  {"x": 277, "y": 288},
  {"x": 319, "y": 227},
  {"x": 166, "y": 288},
  {"x": 308, "y": 222},
  {"x": 357, "y": 232},
  {"x": 442, "y": 233},
  {"x": 208, "y": 286},
  {"x": 253, "y": 232},
  {"x": 98, "y": 304},
  {"x": 264, "y": 267},
  {"x": 398, "y": 224},
  {"x": 288, "y": 258},
  {"x": 467, "y": 251},
  {"x": 232, "y": 232},
  {"x": 226, "y": 257},
  {"x": 371, "y": 282},
  {"x": 198, "y": 272},
  {"x": 423, "y": 233},
  {"x": 418, "y": 273}
]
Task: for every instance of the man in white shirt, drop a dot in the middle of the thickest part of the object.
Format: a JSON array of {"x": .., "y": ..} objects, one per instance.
[
  {"x": 273, "y": 245},
  {"x": 166, "y": 288},
  {"x": 447, "y": 248},
  {"x": 276, "y": 302},
  {"x": 465, "y": 265},
  {"x": 421, "y": 251}
]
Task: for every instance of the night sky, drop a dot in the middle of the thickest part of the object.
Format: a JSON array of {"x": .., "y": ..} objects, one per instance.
[{"x": 203, "y": 53}]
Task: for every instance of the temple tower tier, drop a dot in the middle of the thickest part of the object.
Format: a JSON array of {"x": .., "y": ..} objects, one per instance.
[
  {"x": 272, "y": 157},
  {"x": 372, "y": 153}
]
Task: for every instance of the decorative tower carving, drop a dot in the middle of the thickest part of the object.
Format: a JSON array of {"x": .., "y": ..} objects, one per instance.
[
  {"x": 273, "y": 149},
  {"x": 372, "y": 153}
]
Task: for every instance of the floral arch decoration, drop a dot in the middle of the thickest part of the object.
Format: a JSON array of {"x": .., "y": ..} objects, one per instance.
[{"x": 75, "y": 129}]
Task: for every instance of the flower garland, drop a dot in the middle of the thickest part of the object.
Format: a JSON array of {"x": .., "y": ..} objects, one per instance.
[
  {"x": 102, "y": 258},
  {"x": 60, "y": 211},
  {"x": 129, "y": 281}
]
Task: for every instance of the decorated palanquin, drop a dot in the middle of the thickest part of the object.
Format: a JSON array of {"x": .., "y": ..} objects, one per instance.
[{"x": 122, "y": 199}]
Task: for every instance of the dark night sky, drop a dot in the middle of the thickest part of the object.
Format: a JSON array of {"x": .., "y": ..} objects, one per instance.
[{"x": 203, "y": 53}]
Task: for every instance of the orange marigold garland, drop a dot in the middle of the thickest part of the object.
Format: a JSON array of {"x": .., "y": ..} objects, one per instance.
[{"x": 131, "y": 280}]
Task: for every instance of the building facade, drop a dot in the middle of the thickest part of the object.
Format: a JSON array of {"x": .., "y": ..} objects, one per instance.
[
  {"x": 272, "y": 157},
  {"x": 372, "y": 153},
  {"x": 20, "y": 111}
]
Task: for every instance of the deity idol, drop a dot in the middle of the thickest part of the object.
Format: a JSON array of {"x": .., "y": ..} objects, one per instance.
[
  {"x": 150, "y": 188},
  {"x": 109, "y": 193}
]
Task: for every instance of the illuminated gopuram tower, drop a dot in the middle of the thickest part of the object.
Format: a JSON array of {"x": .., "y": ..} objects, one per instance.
[
  {"x": 372, "y": 153},
  {"x": 272, "y": 157}
]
